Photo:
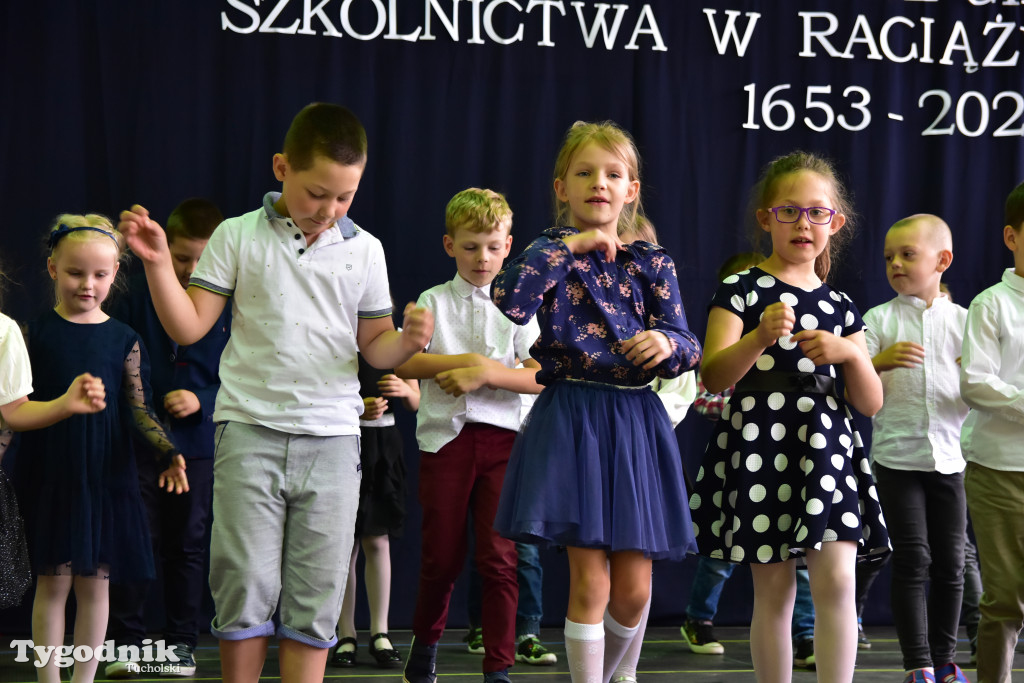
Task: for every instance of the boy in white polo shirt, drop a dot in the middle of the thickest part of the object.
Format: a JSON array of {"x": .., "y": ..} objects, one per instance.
[
  {"x": 468, "y": 418},
  {"x": 992, "y": 384},
  {"x": 308, "y": 290},
  {"x": 914, "y": 341}
]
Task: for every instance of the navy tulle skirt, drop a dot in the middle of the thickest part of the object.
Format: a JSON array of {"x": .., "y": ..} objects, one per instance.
[{"x": 597, "y": 466}]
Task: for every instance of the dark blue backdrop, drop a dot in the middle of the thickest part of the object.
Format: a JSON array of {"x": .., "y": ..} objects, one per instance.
[{"x": 111, "y": 102}]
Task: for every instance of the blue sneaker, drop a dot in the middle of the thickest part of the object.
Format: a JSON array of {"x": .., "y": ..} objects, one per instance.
[
  {"x": 950, "y": 673},
  {"x": 497, "y": 677},
  {"x": 420, "y": 666},
  {"x": 920, "y": 676}
]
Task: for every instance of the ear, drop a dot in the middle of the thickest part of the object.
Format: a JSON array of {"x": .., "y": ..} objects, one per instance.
[
  {"x": 280, "y": 166},
  {"x": 508, "y": 245},
  {"x": 560, "y": 192},
  {"x": 632, "y": 192},
  {"x": 51, "y": 268},
  {"x": 763, "y": 216},
  {"x": 945, "y": 259},
  {"x": 449, "y": 245},
  {"x": 1011, "y": 239},
  {"x": 838, "y": 221}
]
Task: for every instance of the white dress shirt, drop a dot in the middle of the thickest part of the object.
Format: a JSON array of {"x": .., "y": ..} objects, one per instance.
[
  {"x": 992, "y": 376},
  {"x": 467, "y": 321},
  {"x": 918, "y": 427},
  {"x": 16, "y": 378}
]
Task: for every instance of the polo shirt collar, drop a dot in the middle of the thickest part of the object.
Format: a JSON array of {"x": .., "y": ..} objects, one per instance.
[
  {"x": 345, "y": 224},
  {"x": 466, "y": 289}
]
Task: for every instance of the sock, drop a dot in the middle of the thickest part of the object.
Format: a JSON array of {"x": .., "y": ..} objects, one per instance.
[
  {"x": 584, "y": 651},
  {"x": 627, "y": 666},
  {"x": 617, "y": 639}
]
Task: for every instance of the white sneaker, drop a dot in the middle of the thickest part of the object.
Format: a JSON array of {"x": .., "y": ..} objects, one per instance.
[{"x": 118, "y": 670}]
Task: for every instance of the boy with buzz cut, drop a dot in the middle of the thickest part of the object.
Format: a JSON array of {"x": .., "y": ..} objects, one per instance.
[
  {"x": 467, "y": 421},
  {"x": 308, "y": 290},
  {"x": 992, "y": 384},
  {"x": 185, "y": 384},
  {"x": 915, "y": 343}
]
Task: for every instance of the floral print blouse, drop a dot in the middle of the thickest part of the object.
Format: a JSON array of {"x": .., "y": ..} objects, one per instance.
[{"x": 588, "y": 307}]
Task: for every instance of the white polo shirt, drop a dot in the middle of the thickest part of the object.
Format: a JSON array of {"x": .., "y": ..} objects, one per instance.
[
  {"x": 467, "y": 321},
  {"x": 992, "y": 376},
  {"x": 918, "y": 427},
  {"x": 291, "y": 363},
  {"x": 16, "y": 378}
]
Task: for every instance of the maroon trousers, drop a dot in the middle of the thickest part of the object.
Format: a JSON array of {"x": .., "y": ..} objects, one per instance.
[{"x": 466, "y": 474}]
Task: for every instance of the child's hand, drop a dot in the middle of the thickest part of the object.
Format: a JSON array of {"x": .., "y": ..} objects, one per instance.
[
  {"x": 145, "y": 237},
  {"x": 373, "y": 407},
  {"x": 462, "y": 380},
  {"x": 825, "y": 348},
  {"x": 776, "y": 321},
  {"x": 86, "y": 395},
  {"x": 899, "y": 355},
  {"x": 593, "y": 240},
  {"x": 173, "y": 479},
  {"x": 648, "y": 348},
  {"x": 417, "y": 328},
  {"x": 393, "y": 386},
  {"x": 181, "y": 403}
]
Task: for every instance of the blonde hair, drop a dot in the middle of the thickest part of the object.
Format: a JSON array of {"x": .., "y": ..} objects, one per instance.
[
  {"x": 608, "y": 135},
  {"x": 478, "y": 210},
  {"x": 795, "y": 162},
  {"x": 936, "y": 230},
  {"x": 643, "y": 230},
  {"x": 68, "y": 227}
]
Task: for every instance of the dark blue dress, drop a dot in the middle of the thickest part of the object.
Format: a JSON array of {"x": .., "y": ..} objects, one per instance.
[
  {"x": 596, "y": 464},
  {"x": 785, "y": 470},
  {"x": 77, "y": 479}
]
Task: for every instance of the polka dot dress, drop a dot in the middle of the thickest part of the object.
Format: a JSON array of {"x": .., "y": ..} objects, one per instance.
[{"x": 785, "y": 471}]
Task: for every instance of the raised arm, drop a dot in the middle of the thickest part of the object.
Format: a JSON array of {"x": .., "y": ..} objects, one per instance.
[
  {"x": 186, "y": 316},
  {"x": 385, "y": 347}
]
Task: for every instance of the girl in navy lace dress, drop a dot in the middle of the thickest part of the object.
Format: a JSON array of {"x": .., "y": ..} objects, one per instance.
[
  {"x": 596, "y": 467},
  {"x": 83, "y": 512}
]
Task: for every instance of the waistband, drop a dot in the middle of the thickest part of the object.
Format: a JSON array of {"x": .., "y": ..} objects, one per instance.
[
  {"x": 797, "y": 382},
  {"x": 591, "y": 384}
]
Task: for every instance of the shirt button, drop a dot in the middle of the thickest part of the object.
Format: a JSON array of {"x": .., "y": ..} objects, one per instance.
[
  {"x": 297, "y": 235},
  {"x": 301, "y": 252}
]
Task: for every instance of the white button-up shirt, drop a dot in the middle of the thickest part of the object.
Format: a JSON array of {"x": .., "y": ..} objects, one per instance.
[
  {"x": 16, "y": 379},
  {"x": 291, "y": 363},
  {"x": 918, "y": 427},
  {"x": 467, "y": 321},
  {"x": 992, "y": 376}
]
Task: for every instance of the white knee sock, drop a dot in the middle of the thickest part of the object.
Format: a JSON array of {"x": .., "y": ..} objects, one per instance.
[
  {"x": 584, "y": 651},
  {"x": 617, "y": 639},
  {"x": 627, "y": 666}
]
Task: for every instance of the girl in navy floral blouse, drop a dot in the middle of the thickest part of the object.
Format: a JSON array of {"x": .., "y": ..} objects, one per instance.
[{"x": 596, "y": 466}]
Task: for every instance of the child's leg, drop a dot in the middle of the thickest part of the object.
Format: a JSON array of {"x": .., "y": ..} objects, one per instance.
[
  {"x": 996, "y": 499},
  {"x": 530, "y": 577},
  {"x": 495, "y": 556},
  {"x": 377, "y": 575},
  {"x": 832, "y": 571},
  {"x": 91, "y": 595},
  {"x": 629, "y": 593},
  {"x": 771, "y": 647},
  {"x": 589, "y": 586},
  {"x": 48, "y": 619},
  {"x": 626, "y": 670},
  {"x": 947, "y": 533},
  {"x": 347, "y": 620},
  {"x": 904, "y": 498},
  {"x": 707, "y": 588},
  {"x": 242, "y": 661}
]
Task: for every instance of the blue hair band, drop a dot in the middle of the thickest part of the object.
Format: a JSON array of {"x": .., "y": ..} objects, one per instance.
[{"x": 62, "y": 230}]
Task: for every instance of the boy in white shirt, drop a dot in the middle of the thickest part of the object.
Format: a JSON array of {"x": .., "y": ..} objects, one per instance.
[
  {"x": 992, "y": 384},
  {"x": 308, "y": 289},
  {"x": 468, "y": 418},
  {"x": 915, "y": 342}
]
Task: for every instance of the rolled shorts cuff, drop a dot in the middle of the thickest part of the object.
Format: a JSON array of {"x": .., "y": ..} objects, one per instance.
[
  {"x": 264, "y": 630},
  {"x": 305, "y": 638}
]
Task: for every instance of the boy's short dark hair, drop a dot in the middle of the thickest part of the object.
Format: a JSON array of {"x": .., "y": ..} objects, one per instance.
[
  {"x": 1015, "y": 208},
  {"x": 193, "y": 219},
  {"x": 327, "y": 130}
]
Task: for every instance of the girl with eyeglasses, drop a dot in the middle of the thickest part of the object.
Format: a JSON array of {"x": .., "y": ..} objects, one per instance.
[{"x": 785, "y": 475}]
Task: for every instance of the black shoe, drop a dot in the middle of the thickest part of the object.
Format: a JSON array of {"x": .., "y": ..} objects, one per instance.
[
  {"x": 186, "y": 664},
  {"x": 420, "y": 666},
  {"x": 346, "y": 659},
  {"x": 803, "y": 653},
  {"x": 386, "y": 658}
]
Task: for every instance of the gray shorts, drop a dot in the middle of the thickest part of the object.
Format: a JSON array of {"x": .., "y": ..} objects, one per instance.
[{"x": 284, "y": 512}]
